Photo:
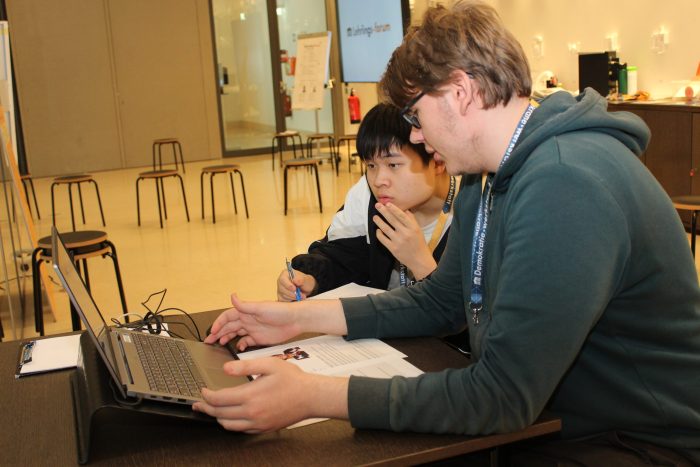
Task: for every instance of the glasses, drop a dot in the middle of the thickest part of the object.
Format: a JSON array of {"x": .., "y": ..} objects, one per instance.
[{"x": 408, "y": 114}]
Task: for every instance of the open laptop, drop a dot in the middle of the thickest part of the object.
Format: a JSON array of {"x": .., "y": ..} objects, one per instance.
[{"x": 129, "y": 355}]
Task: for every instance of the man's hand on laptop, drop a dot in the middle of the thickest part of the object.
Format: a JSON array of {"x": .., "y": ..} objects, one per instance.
[
  {"x": 259, "y": 323},
  {"x": 280, "y": 396}
]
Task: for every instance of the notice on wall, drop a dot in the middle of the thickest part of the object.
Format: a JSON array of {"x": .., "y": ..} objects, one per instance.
[{"x": 313, "y": 51}]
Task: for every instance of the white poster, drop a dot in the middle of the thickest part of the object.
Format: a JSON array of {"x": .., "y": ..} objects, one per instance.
[{"x": 311, "y": 72}]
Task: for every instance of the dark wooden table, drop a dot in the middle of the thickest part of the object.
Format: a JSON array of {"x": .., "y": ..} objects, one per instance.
[{"x": 38, "y": 428}]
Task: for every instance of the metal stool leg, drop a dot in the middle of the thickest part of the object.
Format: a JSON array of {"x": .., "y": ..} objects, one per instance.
[
  {"x": 80, "y": 196},
  {"x": 138, "y": 204},
  {"x": 201, "y": 191},
  {"x": 182, "y": 159},
  {"x": 160, "y": 214},
  {"x": 70, "y": 200},
  {"x": 245, "y": 201},
  {"x": 161, "y": 186},
  {"x": 693, "y": 223},
  {"x": 233, "y": 192},
  {"x": 120, "y": 285},
  {"x": 286, "y": 171},
  {"x": 318, "y": 188},
  {"x": 184, "y": 198},
  {"x": 211, "y": 189},
  {"x": 99, "y": 203},
  {"x": 36, "y": 284}
]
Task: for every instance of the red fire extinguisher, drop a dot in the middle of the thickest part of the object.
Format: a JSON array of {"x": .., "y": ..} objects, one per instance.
[{"x": 354, "y": 107}]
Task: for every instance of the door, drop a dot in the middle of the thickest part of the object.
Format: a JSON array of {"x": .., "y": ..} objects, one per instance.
[{"x": 255, "y": 45}]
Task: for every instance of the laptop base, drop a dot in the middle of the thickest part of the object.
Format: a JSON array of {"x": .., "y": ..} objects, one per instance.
[{"x": 95, "y": 402}]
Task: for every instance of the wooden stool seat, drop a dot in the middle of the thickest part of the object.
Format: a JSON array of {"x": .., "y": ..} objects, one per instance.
[
  {"x": 70, "y": 180},
  {"x": 158, "y": 176},
  {"x": 81, "y": 245},
  {"x": 689, "y": 203},
  {"x": 301, "y": 162},
  {"x": 212, "y": 170}
]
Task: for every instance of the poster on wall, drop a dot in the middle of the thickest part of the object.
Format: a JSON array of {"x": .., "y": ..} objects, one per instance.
[{"x": 311, "y": 70}]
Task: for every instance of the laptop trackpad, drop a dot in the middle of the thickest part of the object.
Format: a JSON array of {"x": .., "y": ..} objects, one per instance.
[{"x": 211, "y": 359}]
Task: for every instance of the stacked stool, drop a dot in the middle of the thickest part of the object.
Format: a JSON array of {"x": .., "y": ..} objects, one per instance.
[
  {"x": 77, "y": 180},
  {"x": 157, "y": 176},
  {"x": 280, "y": 140},
  {"x": 212, "y": 170},
  {"x": 81, "y": 246},
  {"x": 177, "y": 150}
]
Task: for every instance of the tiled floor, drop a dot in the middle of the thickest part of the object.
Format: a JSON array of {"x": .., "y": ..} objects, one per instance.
[{"x": 199, "y": 263}]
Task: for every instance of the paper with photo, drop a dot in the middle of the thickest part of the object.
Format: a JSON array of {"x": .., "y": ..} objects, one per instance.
[{"x": 347, "y": 291}]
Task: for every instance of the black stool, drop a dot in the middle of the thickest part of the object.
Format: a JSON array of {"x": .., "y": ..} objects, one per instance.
[
  {"x": 331, "y": 145},
  {"x": 279, "y": 142},
  {"x": 689, "y": 203},
  {"x": 28, "y": 183},
  {"x": 302, "y": 162},
  {"x": 177, "y": 149},
  {"x": 221, "y": 169},
  {"x": 81, "y": 245},
  {"x": 158, "y": 176},
  {"x": 71, "y": 180}
]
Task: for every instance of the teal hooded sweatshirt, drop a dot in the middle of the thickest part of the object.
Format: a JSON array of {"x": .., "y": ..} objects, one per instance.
[{"x": 591, "y": 300}]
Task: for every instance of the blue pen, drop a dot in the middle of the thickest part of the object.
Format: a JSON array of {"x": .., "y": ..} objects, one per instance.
[{"x": 291, "y": 278}]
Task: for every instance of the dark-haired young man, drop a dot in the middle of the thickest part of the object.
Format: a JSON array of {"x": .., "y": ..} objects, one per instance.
[{"x": 402, "y": 245}]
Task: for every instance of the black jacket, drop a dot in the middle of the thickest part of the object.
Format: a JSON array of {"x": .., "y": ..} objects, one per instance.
[{"x": 351, "y": 258}]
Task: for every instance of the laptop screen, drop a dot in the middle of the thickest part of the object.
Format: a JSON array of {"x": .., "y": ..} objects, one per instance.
[{"x": 82, "y": 301}]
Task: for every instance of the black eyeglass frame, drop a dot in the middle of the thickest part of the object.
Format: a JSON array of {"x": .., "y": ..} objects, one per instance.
[{"x": 410, "y": 117}]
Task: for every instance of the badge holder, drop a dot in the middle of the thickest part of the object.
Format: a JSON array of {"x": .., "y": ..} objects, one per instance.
[{"x": 95, "y": 401}]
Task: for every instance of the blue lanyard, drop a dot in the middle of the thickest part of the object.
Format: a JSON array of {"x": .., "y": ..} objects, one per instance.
[{"x": 478, "y": 272}]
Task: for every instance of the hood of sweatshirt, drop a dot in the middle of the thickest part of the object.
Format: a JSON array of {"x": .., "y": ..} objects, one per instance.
[{"x": 562, "y": 113}]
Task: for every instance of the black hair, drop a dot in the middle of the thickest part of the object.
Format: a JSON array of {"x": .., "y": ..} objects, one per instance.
[{"x": 382, "y": 128}]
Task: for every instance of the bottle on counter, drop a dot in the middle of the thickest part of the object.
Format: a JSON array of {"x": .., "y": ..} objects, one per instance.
[{"x": 632, "y": 80}]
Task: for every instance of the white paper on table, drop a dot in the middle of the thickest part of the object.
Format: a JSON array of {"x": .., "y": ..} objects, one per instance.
[{"x": 347, "y": 291}]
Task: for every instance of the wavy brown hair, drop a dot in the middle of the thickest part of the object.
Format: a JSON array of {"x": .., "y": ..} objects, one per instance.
[{"x": 469, "y": 37}]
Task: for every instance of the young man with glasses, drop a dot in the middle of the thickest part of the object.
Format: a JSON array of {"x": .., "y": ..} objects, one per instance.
[{"x": 570, "y": 267}]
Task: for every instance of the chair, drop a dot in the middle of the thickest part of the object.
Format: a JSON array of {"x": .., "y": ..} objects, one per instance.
[
  {"x": 71, "y": 180},
  {"x": 221, "y": 169},
  {"x": 81, "y": 245},
  {"x": 177, "y": 149},
  {"x": 28, "y": 183},
  {"x": 158, "y": 176},
  {"x": 689, "y": 203},
  {"x": 280, "y": 140},
  {"x": 301, "y": 162},
  {"x": 347, "y": 140},
  {"x": 311, "y": 139}
]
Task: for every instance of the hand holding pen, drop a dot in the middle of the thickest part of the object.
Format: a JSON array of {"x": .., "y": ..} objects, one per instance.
[{"x": 290, "y": 271}]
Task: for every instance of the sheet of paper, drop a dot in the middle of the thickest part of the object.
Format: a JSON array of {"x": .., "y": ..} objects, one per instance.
[
  {"x": 347, "y": 291},
  {"x": 328, "y": 354},
  {"x": 52, "y": 353}
]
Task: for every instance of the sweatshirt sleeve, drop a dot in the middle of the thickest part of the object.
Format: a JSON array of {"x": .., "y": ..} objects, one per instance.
[{"x": 530, "y": 341}]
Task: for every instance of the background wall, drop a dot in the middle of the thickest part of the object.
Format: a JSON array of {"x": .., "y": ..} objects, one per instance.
[
  {"x": 588, "y": 22},
  {"x": 99, "y": 80}
]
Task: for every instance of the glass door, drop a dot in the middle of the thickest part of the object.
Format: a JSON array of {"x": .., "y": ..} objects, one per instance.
[
  {"x": 247, "y": 88},
  {"x": 295, "y": 18},
  {"x": 255, "y": 44}
]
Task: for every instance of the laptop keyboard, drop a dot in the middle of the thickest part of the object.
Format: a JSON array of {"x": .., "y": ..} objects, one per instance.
[{"x": 168, "y": 365}]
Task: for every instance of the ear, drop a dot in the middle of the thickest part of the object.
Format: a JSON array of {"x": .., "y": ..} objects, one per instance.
[
  {"x": 464, "y": 89},
  {"x": 439, "y": 167}
]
